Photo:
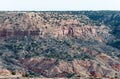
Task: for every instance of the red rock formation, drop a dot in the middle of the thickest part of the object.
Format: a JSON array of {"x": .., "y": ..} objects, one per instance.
[
  {"x": 52, "y": 68},
  {"x": 19, "y": 33}
]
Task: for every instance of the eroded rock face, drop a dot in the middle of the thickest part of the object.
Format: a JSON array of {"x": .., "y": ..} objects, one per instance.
[
  {"x": 75, "y": 31},
  {"x": 61, "y": 68},
  {"x": 25, "y": 24},
  {"x": 83, "y": 32}
]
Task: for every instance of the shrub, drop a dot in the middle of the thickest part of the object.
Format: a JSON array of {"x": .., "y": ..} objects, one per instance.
[
  {"x": 13, "y": 73},
  {"x": 25, "y": 75}
]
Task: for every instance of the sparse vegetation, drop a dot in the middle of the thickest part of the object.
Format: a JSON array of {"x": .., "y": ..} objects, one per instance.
[{"x": 61, "y": 36}]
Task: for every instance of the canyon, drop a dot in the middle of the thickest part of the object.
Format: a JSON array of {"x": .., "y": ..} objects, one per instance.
[{"x": 60, "y": 44}]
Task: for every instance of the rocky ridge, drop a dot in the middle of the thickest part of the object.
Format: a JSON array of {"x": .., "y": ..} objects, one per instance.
[{"x": 56, "y": 44}]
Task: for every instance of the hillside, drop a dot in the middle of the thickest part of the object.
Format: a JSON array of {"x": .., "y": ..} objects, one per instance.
[{"x": 69, "y": 44}]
